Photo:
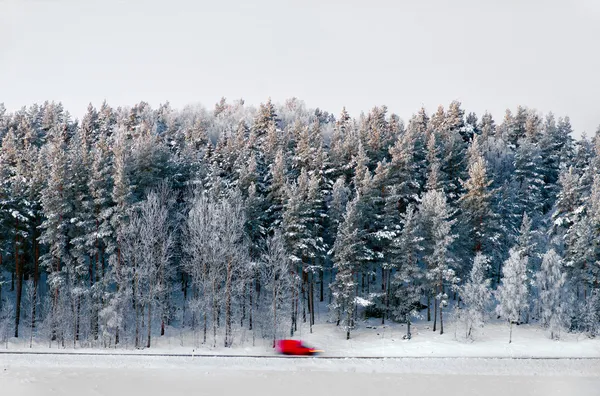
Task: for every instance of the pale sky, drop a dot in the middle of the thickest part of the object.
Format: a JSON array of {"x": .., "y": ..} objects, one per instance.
[{"x": 489, "y": 54}]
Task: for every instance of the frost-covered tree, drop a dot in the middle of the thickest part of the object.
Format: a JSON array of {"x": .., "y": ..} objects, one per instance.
[
  {"x": 476, "y": 295},
  {"x": 553, "y": 303},
  {"x": 408, "y": 282},
  {"x": 476, "y": 221},
  {"x": 435, "y": 221},
  {"x": 279, "y": 280},
  {"x": 147, "y": 247},
  {"x": 347, "y": 253},
  {"x": 57, "y": 206},
  {"x": 512, "y": 293}
]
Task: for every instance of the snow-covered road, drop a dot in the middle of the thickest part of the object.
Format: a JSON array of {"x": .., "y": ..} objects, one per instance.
[{"x": 135, "y": 375}]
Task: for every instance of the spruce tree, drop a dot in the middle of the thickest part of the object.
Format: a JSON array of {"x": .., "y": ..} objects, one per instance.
[{"x": 512, "y": 293}]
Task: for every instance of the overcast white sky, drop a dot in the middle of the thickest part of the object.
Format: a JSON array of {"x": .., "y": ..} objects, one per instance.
[{"x": 489, "y": 54}]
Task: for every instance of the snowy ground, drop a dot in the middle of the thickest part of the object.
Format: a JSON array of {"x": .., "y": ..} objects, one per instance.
[
  {"x": 143, "y": 375},
  {"x": 371, "y": 339}
]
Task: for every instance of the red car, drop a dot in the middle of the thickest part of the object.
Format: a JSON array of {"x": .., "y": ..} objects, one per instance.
[{"x": 295, "y": 347}]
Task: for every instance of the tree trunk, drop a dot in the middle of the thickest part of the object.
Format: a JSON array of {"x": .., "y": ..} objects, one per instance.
[
  {"x": 311, "y": 300},
  {"x": 251, "y": 307},
  {"x": 118, "y": 288},
  {"x": 510, "y": 334},
  {"x": 321, "y": 286},
  {"x": 36, "y": 276},
  {"x": 441, "y": 320},
  {"x": 297, "y": 307},
  {"x": 243, "y": 303},
  {"x": 228, "y": 337},
  {"x": 304, "y": 283},
  {"x": 435, "y": 309},
  {"x": 0, "y": 283},
  {"x": 383, "y": 289},
  {"x": 362, "y": 283},
  {"x": 78, "y": 318},
  {"x": 388, "y": 296},
  {"x": 348, "y": 321},
  {"x": 429, "y": 306},
  {"x": 19, "y": 276},
  {"x": 94, "y": 316},
  {"x": 149, "y": 324},
  {"x": 408, "y": 334},
  {"x": 214, "y": 312},
  {"x": 274, "y": 310},
  {"x": 205, "y": 327},
  {"x": 293, "y": 310},
  {"x": 136, "y": 306}
]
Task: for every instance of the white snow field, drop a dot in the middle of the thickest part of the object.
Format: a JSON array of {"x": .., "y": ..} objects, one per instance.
[
  {"x": 370, "y": 339},
  {"x": 69, "y": 375}
]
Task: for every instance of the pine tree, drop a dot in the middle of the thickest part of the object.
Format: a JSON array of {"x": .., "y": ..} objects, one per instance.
[
  {"x": 347, "y": 253},
  {"x": 436, "y": 225},
  {"x": 551, "y": 281},
  {"x": 403, "y": 172},
  {"x": 408, "y": 281},
  {"x": 476, "y": 219},
  {"x": 476, "y": 295},
  {"x": 487, "y": 126},
  {"x": 276, "y": 191},
  {"x": 512, "y": 293},
  {"x": 57, "y": 206},
  {"x": 567, "y": 203},
  {"x": 337, "y": 205},
  {"x": 530, "y": 181}
]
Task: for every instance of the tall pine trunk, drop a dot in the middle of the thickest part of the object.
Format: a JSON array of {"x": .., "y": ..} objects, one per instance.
[
  {"x": 251, "y": 305},
  {"x": 321, "y": 286},
  {"x": 149, "y": 323},
  {"x": 383, "y": 289},
  {"x": 429, "y": 306},
  {"x": 274, "y": 309},
  {"x": 228, "y": 336},
  {"x": 441, "y": 308},
  {"x": 304, "y": 283},
  {"x": 311, "y": 299},
  {"x": 19, "y": 276},
  {"x": 435, "y": 309},
  {"x": 36, "y": 274}
]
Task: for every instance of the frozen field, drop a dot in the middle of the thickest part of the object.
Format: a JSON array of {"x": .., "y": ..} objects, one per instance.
[{"x": 133, "y": 375}]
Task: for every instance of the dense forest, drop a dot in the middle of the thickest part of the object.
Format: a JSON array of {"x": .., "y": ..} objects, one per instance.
[{"x": 133, "y": 222}]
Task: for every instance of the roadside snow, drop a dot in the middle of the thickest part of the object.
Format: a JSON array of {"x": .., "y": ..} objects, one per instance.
[{"x": 370, "y": 339}]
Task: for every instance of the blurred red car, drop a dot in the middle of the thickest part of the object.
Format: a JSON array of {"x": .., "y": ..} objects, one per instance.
[{"x": 295, "y": 347}]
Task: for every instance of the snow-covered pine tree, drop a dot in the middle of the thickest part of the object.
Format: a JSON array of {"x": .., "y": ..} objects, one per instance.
[
  {"x": 512, "y": 293},
  {"x": 276, "y": 192},
  {"x": 476, "y": 221},
  {"x": 529, "y": 181},
  {"x": 487, "y": 126},
  {"x": 436, "y": 226},
  {"x": 567, "y": 203},
  {"x": 408, "y": 281},
  {"x": 347, "y": 253},
  {"x": 403, "y": 171},
  {"x": 476, "y": 295},
  {"x": 57, "y": 206},
  {"x": 552, "y": 303},
  {"x": 82, "y": 225}
]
